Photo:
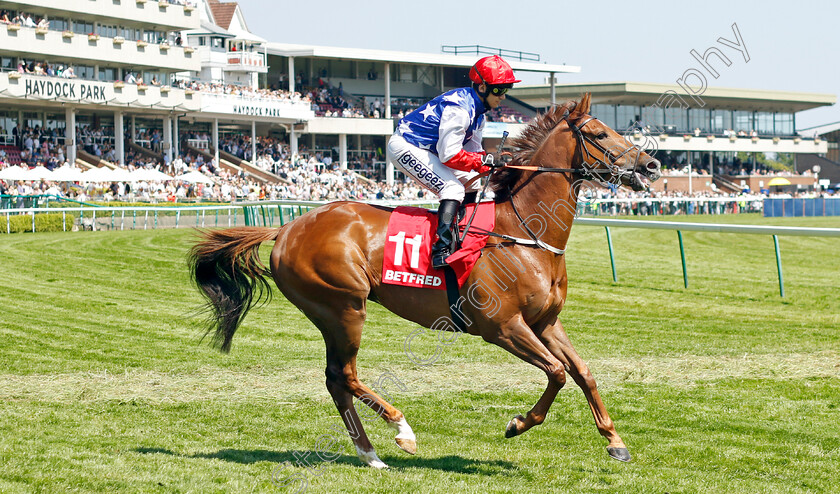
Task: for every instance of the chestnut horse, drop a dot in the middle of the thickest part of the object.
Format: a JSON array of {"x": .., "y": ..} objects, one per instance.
[{"x": 328, "y": 263}]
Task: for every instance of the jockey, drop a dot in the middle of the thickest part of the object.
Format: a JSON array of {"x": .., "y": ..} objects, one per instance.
[{"x": 439, "y": 143}]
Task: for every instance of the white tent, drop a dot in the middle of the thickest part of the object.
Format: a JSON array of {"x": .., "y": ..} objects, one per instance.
[
  {"x": 147, "y": 175},
  {"x": 39, "y": 173},
  {"x": 122, "y": 175},
  {"x": 97, "y": 175},
  {"x": 195, "y": 177},
  {"x": 15, "y": 173},
  {"x": 67, "y": 173}
]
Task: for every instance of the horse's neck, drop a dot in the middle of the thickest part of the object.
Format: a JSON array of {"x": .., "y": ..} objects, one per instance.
[
  {"x": 545, "y": 201},
  {"x": 547, "y": 209}
]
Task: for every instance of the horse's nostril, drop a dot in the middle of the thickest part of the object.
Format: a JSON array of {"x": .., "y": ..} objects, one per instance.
[{"x": 653, "y": 165}]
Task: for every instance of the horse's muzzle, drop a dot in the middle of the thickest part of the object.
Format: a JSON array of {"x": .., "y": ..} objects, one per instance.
[{"x": 644, "y": 173}]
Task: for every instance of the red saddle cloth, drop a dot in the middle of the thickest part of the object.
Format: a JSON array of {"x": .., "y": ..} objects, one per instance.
[{"x": 408, "y": 246}]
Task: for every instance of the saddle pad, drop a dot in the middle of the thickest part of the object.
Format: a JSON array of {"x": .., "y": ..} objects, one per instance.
[{"x": 408, "y": 246}]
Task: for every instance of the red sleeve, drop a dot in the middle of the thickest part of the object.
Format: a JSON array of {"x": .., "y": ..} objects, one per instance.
[{"x": 466, "y": 161}]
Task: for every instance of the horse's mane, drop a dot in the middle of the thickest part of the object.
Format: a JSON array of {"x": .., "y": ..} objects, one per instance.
[{"x": 526, "y": 145}]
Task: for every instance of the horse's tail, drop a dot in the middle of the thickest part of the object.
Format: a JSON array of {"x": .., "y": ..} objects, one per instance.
[{"x": 226, "y": 267}]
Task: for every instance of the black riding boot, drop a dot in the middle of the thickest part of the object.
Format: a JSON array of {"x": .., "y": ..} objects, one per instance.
[{"x": 447, "y": 216}]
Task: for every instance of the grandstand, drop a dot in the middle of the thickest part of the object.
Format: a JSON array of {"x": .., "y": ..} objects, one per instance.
[
  {"x": 181, "y": 85},
  {"x": 718, "y": 147}
]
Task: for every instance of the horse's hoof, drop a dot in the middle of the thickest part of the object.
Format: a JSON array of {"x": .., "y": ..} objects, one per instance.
[
  {"x": 370, "y": 459},
  {"x": 407, "y": 445},
  {"x": 620, "y": 454},
  {"x": 512, "y": 426}
]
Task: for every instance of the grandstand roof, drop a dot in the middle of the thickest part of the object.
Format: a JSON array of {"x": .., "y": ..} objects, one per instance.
[
  {"x": 210, "y": 28},
  {"x": 820, "y": 130},
  {"x": 646, "y": 93},
  {"x": 291, "y": 50}
]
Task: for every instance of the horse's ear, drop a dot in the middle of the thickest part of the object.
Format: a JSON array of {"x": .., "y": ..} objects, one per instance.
[{"x": 585, "y": 101}]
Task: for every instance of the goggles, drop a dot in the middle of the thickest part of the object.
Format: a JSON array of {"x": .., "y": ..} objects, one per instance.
[{"x": 498, "y": 91}]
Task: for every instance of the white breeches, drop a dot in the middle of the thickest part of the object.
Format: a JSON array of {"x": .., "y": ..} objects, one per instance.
[{"x": 427, "y": 170}]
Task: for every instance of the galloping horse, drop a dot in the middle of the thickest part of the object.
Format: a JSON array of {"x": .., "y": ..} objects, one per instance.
[{"x": 329, "y": 262}]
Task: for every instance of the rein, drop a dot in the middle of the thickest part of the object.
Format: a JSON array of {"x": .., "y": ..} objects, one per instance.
[{"x": 588, "y": 170}]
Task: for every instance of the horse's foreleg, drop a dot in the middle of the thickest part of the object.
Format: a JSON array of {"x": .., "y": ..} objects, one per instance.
[
  {"x": 517, "y": 338},
  {"x": 536, "y": 415},
  {"x": 557, "y": 341}
]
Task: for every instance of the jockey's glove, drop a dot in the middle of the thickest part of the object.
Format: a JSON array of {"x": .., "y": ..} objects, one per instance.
[{"x": 466, "y": 161}]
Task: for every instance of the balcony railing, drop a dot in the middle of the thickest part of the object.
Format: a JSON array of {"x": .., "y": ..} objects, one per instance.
[{"x": 246, "y": 61}]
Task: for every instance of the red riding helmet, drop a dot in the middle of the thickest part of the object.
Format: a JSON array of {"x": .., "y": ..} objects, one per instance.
[{"x": 492, "y": 70}]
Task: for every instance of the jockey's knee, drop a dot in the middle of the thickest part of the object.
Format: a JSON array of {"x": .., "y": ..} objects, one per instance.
[{"x": 452, "y": 189}]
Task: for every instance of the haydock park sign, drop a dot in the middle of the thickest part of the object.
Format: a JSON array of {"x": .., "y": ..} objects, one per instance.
[
  {"x": 76, "y": 90},
  {"x": 254, "y": 107}
]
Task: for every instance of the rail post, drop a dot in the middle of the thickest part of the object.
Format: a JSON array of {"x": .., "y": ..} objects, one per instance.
[
  {"x": 612, "y": 257},
  {"x": 682, "y": 256},
  {"x": 779, "y": 266}
]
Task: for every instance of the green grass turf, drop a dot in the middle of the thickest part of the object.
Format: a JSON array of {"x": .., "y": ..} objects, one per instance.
[{"x": 721, "y": 387}]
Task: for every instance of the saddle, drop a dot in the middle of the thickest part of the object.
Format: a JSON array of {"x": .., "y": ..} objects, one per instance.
[{"x": 409, "y": 238}]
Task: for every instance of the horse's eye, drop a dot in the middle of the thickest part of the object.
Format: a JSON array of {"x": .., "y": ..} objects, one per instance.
[{"x": 602, "y": 135}]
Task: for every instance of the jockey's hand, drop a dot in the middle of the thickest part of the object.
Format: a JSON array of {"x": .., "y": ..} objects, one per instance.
[{"x": 492, "y": 162}]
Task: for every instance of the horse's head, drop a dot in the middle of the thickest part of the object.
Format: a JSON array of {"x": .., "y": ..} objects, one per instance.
[{"x": 607, "y": 157}]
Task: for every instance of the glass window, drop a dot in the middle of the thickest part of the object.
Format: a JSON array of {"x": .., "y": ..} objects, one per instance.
[
  {"x": 653, "y": 117},
  {"x": 626, "y": 116},
  {"x": 130, "y": 34},
  {"x": 698, "y": 118},
  {"x": 784, "y": 124},
  {"x": 721, "y": 120},
  {"x": 84, "y": 72},
  {"x": 32, "y": 119},
  {"x": 676, "y": 119},
  {"x": 202, "y": 41},
  {"x": 107, "y": 74},
  {"x": 8, "y": 121},
  {"x": 158, "y": 77},
  {"x": 7, "y": 63},
  {"x": 107, "y": 31},
  {"x": 764, "y": 122},
  {"x": 56, "y": 121},
  {"x": 604, "y": 113},
  {"x": 59, "y": 24},
  {"x": 82, "y": 27},
  {"x": 744, "y": 121},
  {"x": 216, "y": 42}
]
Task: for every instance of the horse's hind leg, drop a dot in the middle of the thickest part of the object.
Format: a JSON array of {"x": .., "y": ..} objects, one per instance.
[
  {"x": 342, "y": 334},
  {"x": 557, "y": 341},
  {"x": 405, "y": 438},
  {"x": 341, "y": 369}
]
